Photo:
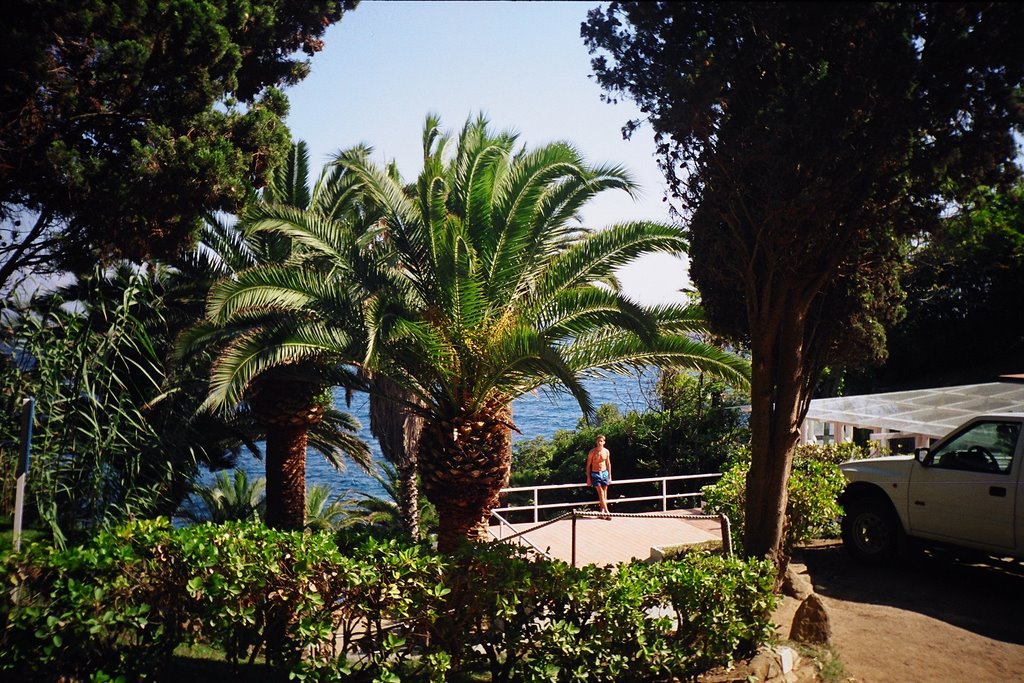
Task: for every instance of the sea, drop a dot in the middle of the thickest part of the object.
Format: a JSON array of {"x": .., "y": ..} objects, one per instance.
[{"x": 540, "y": 413}]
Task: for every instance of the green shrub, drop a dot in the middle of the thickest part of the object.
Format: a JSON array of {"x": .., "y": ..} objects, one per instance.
[
  {"x": 380, "y": 609},
  {"x": 723, "y": 607},
  {"x": 99, "y": 607},
  {"x": 815, "y": 483}
]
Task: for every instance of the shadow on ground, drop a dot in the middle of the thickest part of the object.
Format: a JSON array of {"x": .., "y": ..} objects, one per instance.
[{"x": 981, "y": 595}]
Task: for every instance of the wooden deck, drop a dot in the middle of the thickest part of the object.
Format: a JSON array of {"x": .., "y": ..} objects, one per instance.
[{"x": 619, "y": 539}]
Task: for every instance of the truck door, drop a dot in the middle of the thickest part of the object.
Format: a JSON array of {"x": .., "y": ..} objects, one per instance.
[{"x": 967, "y": 490}]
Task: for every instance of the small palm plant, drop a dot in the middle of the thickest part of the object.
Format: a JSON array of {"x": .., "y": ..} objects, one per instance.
[
  {"x": 388, "y": 512},
  {"x": 324, "y": 513},
  {"x": 230, "y": 498}
]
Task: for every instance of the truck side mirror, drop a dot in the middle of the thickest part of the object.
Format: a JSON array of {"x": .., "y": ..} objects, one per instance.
[{"x": 923, "y": 456}]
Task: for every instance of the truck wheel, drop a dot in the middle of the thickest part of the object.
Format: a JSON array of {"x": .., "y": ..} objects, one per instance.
[{"x": 871, "y": 530}]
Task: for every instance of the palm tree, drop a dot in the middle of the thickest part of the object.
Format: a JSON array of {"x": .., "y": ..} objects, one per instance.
[
  {"x": 279, "y": 366},
  {"x": 477, "y": 286},
  {"x": 229, "y": 498},
  {"x": 327, "y": 513}
]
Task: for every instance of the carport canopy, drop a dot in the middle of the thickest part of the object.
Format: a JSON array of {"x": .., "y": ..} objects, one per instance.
[{"x": 924, "y": 414}]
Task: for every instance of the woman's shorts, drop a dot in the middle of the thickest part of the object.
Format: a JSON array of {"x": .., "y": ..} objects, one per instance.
[{"x": 599, "y": 478}]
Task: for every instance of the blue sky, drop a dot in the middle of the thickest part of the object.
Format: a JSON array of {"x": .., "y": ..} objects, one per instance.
[{"x": 521, "y": 64}]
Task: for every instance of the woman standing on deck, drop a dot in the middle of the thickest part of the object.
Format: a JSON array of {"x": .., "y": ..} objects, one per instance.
[{"x": 599, "y": 472}]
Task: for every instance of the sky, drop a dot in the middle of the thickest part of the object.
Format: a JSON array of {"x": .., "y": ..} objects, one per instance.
[{"x": 523, "y": 65}]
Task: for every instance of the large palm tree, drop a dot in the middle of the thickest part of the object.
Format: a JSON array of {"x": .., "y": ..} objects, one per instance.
[
  {"x": 278, "y": 365},
  {"x": 477, "y": 284}
]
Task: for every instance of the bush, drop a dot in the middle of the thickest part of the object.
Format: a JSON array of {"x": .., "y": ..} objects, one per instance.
[
  {"x": 812, "y": 511},
  {"x": 386, "y": 610},
  {"x": 100, "y": 607}
]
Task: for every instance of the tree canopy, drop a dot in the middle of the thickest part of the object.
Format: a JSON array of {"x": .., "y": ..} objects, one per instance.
[
  {"x": 803, "y": 143},
  {"x": 121, "y": 123},
  {"x": 963, "y": 285}
]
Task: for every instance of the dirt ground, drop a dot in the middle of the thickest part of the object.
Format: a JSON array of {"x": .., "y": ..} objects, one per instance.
[{"x": 930, "y": 618}]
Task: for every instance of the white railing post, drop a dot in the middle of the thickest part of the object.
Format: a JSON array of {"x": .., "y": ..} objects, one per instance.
[
  {"x": 664, "y": 495},
  {"x": 536, "y": 496}
]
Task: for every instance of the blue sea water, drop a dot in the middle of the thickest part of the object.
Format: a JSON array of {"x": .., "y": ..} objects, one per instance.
[{"x": 539, "y": 414}]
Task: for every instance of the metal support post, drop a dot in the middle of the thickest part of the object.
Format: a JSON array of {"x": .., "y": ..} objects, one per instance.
[
  {"x": 27, "y": 413},
  {"x": 726, "y": 535},
  {"x": 573, "y": 538}
]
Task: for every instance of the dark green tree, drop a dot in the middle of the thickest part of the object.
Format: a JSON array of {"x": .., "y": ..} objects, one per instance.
[
  {"x": 121, "y": 122},
  {"x": 803, "y": 142},
  {"x": 963, "y": 288}
]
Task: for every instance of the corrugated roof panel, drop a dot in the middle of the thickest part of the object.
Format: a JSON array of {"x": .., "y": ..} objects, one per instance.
[{"x": 931, "y": 412}]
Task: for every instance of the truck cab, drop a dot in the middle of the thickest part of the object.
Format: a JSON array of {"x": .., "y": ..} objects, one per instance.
[{"x": 965, "y": 490}]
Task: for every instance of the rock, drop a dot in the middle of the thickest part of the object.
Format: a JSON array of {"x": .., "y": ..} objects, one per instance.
[
  {"x": 796, "y": 583},
  {"x": 778, "y": 665},
  {"x": 811, "y": 623}
]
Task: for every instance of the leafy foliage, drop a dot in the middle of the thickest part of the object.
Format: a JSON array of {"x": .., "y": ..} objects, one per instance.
[
  {"x": 961, "y": 283},
  {"x": 812, "y": 508},
  {"x": 110, "y": 441},
  {"x": 384, "y": 610},
  {"x": 121, "y": 123}
]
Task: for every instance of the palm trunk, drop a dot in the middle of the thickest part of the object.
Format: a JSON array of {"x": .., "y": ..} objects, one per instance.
[
  {"x": 286, "y": 409},
  {"x": 409, "y": 497},
  {"x": 398, "y": 431},
  {"x": 465, "y": 463},
  {"x": 286, "y": 476}
]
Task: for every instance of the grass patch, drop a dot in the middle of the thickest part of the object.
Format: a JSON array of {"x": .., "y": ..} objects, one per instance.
[
  {"x": 28, "y": 535},
  {"x": 204, "y": 664},
  {"x": 830, "y": 667}
]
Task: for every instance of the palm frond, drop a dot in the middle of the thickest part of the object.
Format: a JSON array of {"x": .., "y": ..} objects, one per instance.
[
  {"x": 324, "y": 513},
  {"x": 625, "y": 353},
  {"x": 288, "y": 182},
  {"x": 264, "y": 289},
  {"x": 312, "y": 230},
  {"x": 336, "y": 438},
  {"x": 249, "y": 355},
  {"x": 581, "y": 310},
  {"x": 603, "y": 251}
]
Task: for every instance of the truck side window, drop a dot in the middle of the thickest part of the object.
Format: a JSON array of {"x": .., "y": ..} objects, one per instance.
[{"x": 982, "y": 447}]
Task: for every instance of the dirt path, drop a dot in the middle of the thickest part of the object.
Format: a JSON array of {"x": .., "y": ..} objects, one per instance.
[{"x": 930, "y": 619}]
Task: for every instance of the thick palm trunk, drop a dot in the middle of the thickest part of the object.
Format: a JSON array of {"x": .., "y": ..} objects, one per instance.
[
  {"x": 465, "y": 463},
  {"x": 286, "y": 476},
  {"x": 287, "y": 409}
]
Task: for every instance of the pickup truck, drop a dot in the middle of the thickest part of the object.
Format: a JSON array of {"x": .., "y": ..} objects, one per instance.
[{"x": 966, "y": 490}]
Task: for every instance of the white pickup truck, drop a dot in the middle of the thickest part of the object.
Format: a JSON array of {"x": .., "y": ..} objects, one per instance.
[{"x": 966, "y": 490}]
